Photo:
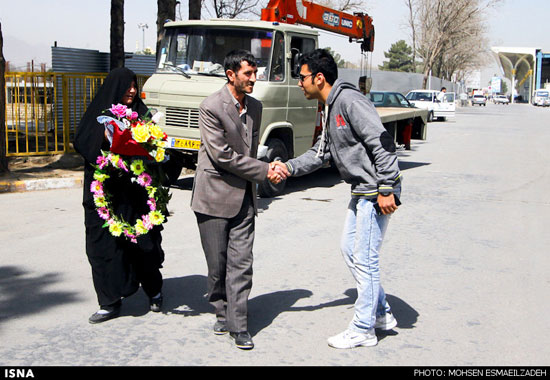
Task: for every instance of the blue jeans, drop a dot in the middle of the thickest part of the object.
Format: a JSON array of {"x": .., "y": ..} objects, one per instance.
[{"x": 361, "y": 242}]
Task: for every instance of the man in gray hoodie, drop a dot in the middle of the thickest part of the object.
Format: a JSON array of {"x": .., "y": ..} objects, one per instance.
[{"x": 357, "y": 143}]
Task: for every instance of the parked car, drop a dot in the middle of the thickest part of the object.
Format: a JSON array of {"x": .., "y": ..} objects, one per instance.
[
  {"x": 428, "y": 99},
  {"x": 480, "y": 100},
  {"x": 389, "y": 99},
  {"x": 501, "y": 99}
]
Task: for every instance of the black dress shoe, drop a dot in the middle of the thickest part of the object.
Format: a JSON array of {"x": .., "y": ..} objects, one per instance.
[
  {"x": 155, "y": 303},
  {"x": 220, "y": 328},
  {"x": 98, "y": 317},
  {"x": 243, "y": 340}
]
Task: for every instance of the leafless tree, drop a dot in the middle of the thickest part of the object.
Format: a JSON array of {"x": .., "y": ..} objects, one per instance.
[
  {"x": 442, "y": 27},
  {"x": 3, "y": 159},
  {"x": 117, "y": 34},
  {"x": 233, "y": 8},
  {"x": 411, "y": 21},
  {"x": 348, "y": 6},
  {"x": 195, "y": 9}
]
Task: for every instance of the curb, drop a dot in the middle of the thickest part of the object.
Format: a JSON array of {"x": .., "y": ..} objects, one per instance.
[{"x": 39, "y": 184}]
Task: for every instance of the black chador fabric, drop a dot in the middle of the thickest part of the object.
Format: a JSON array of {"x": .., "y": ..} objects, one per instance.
[{"x": 118, "y": 265}]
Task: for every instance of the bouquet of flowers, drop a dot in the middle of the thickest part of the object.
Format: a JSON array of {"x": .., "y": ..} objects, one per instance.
[
  {"x": 131, "y": 136},
  {"x": 134, "y": 142}
]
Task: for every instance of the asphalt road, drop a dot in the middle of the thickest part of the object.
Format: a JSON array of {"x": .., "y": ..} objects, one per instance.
[{"x": 465, "y": 265}]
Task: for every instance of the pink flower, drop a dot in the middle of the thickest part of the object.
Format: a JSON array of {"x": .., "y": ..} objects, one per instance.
[
  {"x": 134, "y": 116},
  {"x": 121, "y": 165},
  {"x": 103, "y": 213},
  {"x": 147, "y": 222},
  {"x": 118, "y": 110},
  {"x": 96, "y": 187},
  {"x": 101, "y": 161},
  {"x": 152, "y": 204},
  {"x": 132, "y": 237},
  {"x": 144, "y": 180}
]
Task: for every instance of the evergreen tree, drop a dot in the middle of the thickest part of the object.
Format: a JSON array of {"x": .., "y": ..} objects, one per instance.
[
  {"x": 400, "y": 58},
  {"x": 340, "y": 62}
]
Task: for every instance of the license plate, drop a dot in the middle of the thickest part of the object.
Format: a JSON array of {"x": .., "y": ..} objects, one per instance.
[{"x": 186, "y": 144}]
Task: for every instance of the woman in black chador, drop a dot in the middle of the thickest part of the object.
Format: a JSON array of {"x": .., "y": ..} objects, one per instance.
[{"x": 119, "y": 266}]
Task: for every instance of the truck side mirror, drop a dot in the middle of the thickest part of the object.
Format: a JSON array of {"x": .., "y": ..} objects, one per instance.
[{"x": 294, "y": 62}]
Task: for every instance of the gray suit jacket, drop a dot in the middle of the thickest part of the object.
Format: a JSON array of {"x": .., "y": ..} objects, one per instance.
[{"x": 227, "y": 156}]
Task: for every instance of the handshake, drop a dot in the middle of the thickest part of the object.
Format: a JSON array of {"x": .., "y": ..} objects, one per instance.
[{"x": 277, "y": 172}]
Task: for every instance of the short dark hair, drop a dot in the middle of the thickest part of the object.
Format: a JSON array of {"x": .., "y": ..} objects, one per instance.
[
  {"x": 443, "y": 88},
  {"x": 234, "y": 58},
  {"x": 320, "y": 61}
]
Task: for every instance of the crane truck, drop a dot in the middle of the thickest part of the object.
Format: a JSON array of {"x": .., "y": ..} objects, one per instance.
[{"x": 190, "y": 67}]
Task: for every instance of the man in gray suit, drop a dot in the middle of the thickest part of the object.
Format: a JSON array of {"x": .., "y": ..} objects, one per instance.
[{"x": 224, "y": 192}]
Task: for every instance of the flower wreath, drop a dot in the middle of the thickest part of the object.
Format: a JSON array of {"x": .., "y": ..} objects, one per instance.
[{"x": 134, "y": 137}]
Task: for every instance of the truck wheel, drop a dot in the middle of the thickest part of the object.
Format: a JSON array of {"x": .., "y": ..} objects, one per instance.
[{"x": 276, "y": 151}]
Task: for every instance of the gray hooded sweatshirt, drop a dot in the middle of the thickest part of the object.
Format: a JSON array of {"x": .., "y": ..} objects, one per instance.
[{"x": 355, "y": 140}]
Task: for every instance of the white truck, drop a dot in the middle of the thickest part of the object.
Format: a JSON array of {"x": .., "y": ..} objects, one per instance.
[
  {"x": 190, "y": 67},
  {"x": 541, "y": 97}
]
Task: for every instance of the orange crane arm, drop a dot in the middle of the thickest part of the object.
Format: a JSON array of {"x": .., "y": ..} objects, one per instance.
[{"x": 357, "y": 26}]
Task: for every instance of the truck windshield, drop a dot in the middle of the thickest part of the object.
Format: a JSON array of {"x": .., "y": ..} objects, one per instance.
[
  {"x": 542, "y": 94},
  {"x": 201, "y": 51}
]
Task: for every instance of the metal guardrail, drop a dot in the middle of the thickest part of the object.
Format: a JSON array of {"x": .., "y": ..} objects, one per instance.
[{"x": 44, "y": 109}]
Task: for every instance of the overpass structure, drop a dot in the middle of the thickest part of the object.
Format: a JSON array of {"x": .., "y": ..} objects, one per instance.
[{"x": 527, "y": 68}]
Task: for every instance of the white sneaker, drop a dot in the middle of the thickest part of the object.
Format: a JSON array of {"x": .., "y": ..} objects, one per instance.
[
  {"x": 385, "y": 322},
  {"x": 350, "y": 339}
]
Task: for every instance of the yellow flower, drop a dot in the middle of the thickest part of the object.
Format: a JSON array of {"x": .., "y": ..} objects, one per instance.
[
  {"x": 114, "y": 158},
  {"x": 100, "y": 201},
  {"x": 151, "y": 190},
  {"x": 156, "y": 131},
  {"x": 156, "y": 217},
  {"x": 160, "y": 155},
  {"x": 100, "y": 176},
  {"x": 137, "y": 167},
  {"x": 115, "y": 228},
  {"x": 140, "y": 227},
  {"x": 140, "y": 133}
]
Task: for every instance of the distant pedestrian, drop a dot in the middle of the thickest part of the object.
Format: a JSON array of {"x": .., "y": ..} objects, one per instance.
[{"x": 441, "y": 96}]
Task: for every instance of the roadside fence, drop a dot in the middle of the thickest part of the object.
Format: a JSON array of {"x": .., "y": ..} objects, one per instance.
[{"x": 43, "y": 109}]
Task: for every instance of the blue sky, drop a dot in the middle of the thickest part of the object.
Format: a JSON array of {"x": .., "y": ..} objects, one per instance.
[{"x": 30, "y": 27}]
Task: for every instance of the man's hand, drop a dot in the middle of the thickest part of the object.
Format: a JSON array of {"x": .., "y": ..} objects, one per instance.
[
  {"x": 277, "y": 172},
  {"x": 387, "y": 204}
]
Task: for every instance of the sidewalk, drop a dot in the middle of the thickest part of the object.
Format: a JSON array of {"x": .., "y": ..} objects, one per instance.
[{"x": 42, "y": 173}]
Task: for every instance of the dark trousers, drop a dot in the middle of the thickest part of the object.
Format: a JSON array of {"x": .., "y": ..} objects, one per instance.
[
  {"x": 119, "y": 267},
  {"x": 227, "y": 245}
]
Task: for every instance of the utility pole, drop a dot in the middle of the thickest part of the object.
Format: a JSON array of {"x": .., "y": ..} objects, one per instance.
[{"x": 143, "y": 26}]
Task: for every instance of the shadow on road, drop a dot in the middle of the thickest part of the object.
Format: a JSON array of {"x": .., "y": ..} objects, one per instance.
[
  {"x": 182, "y": 295},
  {"x": 23, "y": 293},
  {"x": 327, "y": 177},
  {"x": 265, "y": 308},
  {"x": 404, "y": 165}
]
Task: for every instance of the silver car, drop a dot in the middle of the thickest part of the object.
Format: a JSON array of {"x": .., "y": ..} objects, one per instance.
[
  {"x": 479, "y": 99},
  {"x": 501, "y": 99}
]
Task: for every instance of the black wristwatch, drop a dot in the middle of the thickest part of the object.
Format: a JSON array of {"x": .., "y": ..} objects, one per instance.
[{"x": 384, "y": 193}]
